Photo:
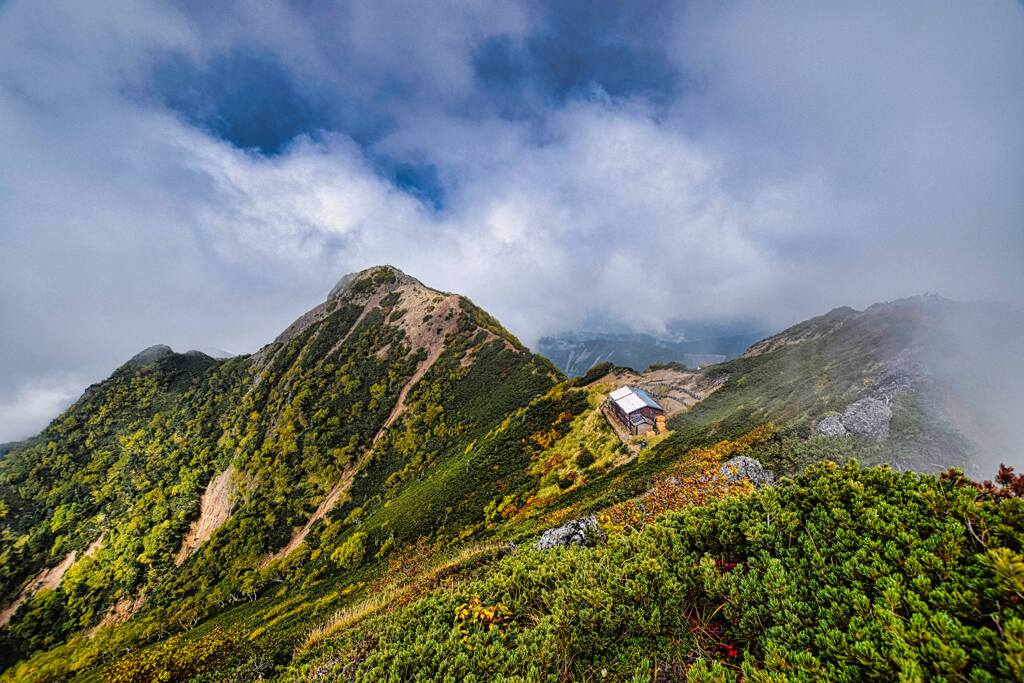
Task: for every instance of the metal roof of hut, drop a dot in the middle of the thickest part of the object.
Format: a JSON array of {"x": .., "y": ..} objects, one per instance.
[{"x": 631, "y": 399}]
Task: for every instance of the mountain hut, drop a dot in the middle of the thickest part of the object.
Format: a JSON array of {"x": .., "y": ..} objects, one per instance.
[{"x": 635, "y": 409}]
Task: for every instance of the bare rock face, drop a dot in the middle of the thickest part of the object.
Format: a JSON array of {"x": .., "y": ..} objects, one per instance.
[
  {"x": 868, "y": 417},
  {"x": 584, "y": 531},
  {"x": 742, "y": 467},
  {"x": 831, "y": 426}
]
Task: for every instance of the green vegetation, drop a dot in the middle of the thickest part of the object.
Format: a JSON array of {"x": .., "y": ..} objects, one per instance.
[
  {"x": 421, "y": 566},
  {"x": 842, "y": 574},
  {"x": 589, "y": 443},
  {"x": 130, "y": 460},
  {"x": 795, "y": 385},
  {"x": 174, "y": 660},
  {"x": 350, "y": 554}
]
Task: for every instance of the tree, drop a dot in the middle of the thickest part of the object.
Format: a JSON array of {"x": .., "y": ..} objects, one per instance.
[{"x": 349, "y": 554}]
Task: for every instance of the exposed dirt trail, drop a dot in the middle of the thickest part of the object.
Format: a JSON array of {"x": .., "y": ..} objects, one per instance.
[
  {"x": 214, "y": 510},
  {"x": 123, "y": 610},
  {"x": 341, "y": 488},
  {"x": 428, "y": 317},
  {"x": 48, "y": 578}
]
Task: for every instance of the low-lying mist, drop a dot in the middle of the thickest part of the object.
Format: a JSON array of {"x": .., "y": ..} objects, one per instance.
[{"x": 978, "y": 353}]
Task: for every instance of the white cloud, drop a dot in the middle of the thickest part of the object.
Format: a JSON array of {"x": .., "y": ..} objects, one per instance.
[
  {"x": 818, "y": 145},
  {"x": 35, "y": 403},
  {"x": 908, "y": 114},
  {"x": 611, "y": 198}
]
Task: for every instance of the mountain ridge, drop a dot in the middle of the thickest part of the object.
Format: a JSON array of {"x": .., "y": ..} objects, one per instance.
[
  {"x": 382, "y": 326},
  {"x": 392, "y": 419}
]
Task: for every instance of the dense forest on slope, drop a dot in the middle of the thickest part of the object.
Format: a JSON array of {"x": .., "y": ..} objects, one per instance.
[
  {"x": 241, "y": 518},
  {"x": 113, "y": 486}
]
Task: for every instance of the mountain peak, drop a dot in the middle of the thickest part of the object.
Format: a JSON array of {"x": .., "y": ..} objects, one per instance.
[
  {"x": 371, "y": 278},
  {"x": 365, "y": 288},
  {"x": 150, "y": 354}
]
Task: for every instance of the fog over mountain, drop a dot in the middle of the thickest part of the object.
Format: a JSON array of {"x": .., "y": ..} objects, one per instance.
[{"x": 192, "y": 174}]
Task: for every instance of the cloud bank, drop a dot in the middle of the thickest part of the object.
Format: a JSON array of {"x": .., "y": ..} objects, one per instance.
[{"x": 198, "y": 175}]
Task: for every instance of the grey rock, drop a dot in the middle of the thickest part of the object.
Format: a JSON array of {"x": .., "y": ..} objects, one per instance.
[
  {"x": 742, "y": 467},
  {"x": 831, "y": 426},
  {"x": 584, "y": 531},
  {"x": 898, "y": 375},
  {"x": 892, "y": 385},
  {"x": 868, "y": 417},
  {"x": 343, "y": 284}
]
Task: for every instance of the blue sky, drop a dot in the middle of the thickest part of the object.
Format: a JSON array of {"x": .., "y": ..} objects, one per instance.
[{"x": 198, "y": 174}]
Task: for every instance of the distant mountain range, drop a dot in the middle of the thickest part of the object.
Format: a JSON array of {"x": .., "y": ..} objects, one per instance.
[{"x": 576, "y": 352}]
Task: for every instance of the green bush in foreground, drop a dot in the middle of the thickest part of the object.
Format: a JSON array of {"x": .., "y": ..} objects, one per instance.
[{"x": 841, "y": 574}]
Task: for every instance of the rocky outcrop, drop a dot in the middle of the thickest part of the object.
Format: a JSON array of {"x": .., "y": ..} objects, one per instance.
[
  {"x": 123, "y": 610},
  {"x": 735, "y": 470},
  {"x": 376, "y": 275},
  {"x": 868, "y": 418},
  {"x": 584, "y": 531},
  {"x": 832, "y": 426}
]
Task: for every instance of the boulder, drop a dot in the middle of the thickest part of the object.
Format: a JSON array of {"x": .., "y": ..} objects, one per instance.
[
  {"x": 868, "y": 417},
  {"x": 831, "y": 426},
  {"x": 742, "y": 467},
  {"x": 584, "y": 531}
]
